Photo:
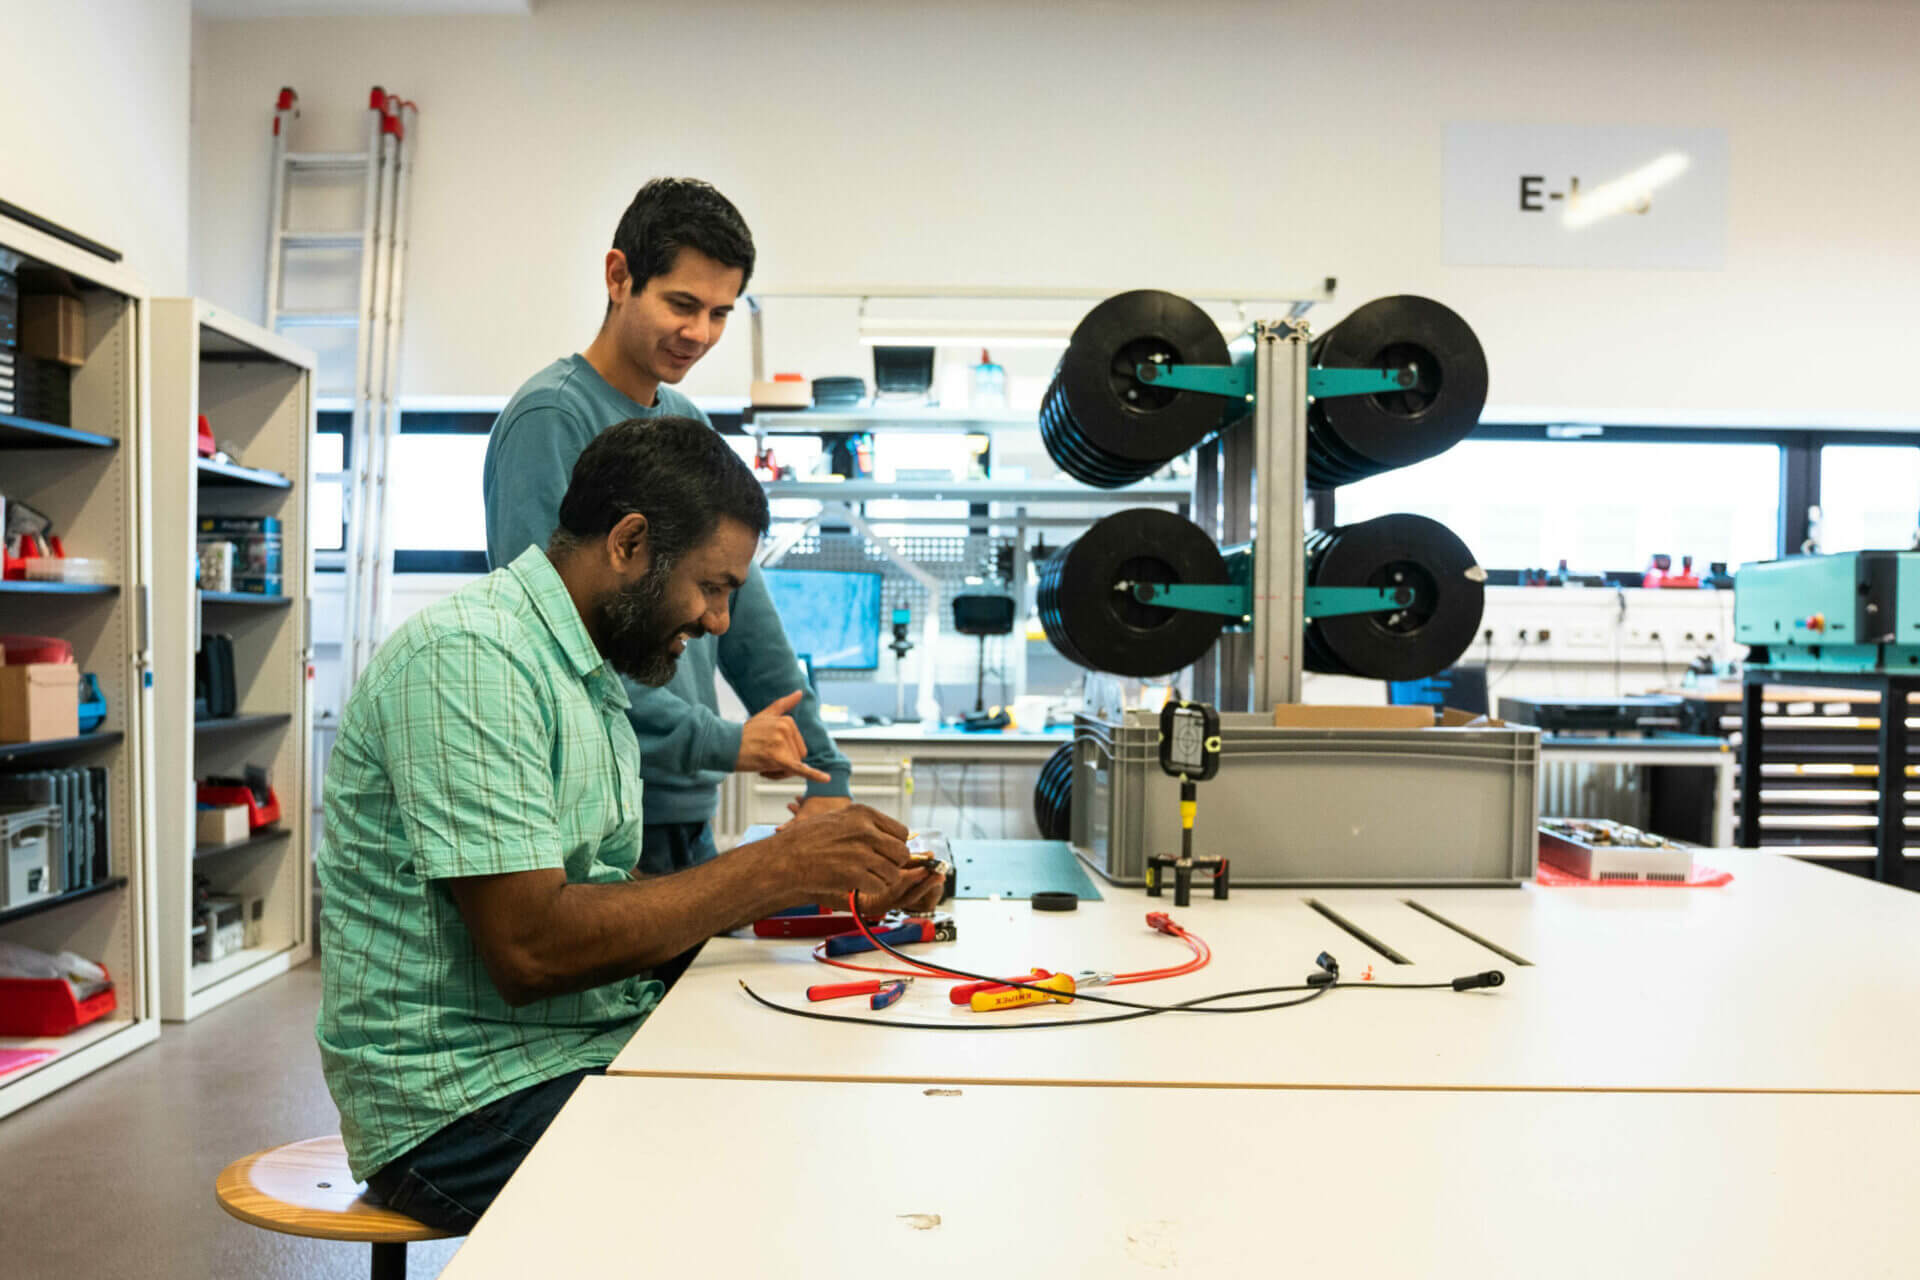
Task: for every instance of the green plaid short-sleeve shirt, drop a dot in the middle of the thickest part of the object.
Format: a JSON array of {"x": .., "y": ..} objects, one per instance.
[{"x": 488, "y": 736}]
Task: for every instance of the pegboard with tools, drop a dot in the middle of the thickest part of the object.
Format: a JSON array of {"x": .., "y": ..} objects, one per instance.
[{"x": 949, "y": 561}]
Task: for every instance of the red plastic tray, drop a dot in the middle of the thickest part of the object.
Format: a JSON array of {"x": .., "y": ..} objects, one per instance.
[
  {"x": 46, "y": 1007},
  {"x": 258, "y": 815}
]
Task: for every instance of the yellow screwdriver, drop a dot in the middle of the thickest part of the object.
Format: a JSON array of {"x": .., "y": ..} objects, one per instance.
[{"x": 1059, "y": 987}]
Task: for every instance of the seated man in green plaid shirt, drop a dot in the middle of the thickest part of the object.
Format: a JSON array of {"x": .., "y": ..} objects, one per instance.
[{"x": 485, "y": 943}]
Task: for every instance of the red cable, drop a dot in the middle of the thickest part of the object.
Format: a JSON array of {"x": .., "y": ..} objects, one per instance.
[{"x": 1202, "y": 956}]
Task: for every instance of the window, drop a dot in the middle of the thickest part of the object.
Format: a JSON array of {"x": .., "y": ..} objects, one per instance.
[
  {"x": 1869, "y": 497},
  {"x": 433, "y": 492},
  {"x": 1600, "y": 505},
  {"x": 327, "y": 500}
]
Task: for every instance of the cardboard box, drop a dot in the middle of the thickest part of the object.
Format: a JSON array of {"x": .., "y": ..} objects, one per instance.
[
  {"x": 39, "y": 701},
  {"x": 224, "y": 825},
  {"x": 780, "y": 395},
  {"x": 53, "y": 327},
  {"x": 1299, "y": 715},
  {"x": 1304, "y": 716}
]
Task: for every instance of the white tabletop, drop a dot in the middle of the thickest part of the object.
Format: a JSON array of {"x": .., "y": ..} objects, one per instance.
[
  {"x": 1791, "y": 978},
  {"x": 799, "y": 1180}
]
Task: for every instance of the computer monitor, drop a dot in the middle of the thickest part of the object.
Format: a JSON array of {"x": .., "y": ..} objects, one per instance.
[
  {"x": 832, "y": 618},
  {"x": 1462, "y": 688}
]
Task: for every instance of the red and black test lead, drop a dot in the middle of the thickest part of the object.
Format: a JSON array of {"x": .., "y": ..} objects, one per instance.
[
  {"x": 1202, "y": 956},
  {"x": 1327, "y": 979}
]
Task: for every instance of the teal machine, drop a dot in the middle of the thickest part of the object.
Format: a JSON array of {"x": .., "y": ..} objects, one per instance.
[
  {"x": 1857, "y": 612},
  {"x": 1850, "y": 621}
]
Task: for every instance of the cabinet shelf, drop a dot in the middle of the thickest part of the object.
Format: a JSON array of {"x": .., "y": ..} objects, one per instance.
[
  {"x": 25, "y": 433},
  {"x": 11, "y": 914},
  {"x": 12, "y": 751},
  {"x": 233, "y": 474}
]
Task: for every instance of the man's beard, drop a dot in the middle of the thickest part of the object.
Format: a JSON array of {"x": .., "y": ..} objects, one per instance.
[{"x": 637, "y": 635}]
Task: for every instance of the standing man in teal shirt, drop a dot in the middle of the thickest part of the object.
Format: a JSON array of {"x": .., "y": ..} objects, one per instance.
[{"x": 680, "y": 259}]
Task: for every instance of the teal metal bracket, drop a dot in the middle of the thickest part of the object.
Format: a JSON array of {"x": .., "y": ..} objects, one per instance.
[
  {"x": 1235, "y": 600},
  {"x": 1235, "y": 381},
  {"x": 1333, "y": 602},
  {"x": 1323, "y": 384},
  {"x": 1229, "y": 600}
]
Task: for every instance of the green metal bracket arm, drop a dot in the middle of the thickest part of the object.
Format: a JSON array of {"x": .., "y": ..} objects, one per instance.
[
  {"x": 1323, "y": 384},
  {"x": 1234, "y": 600},
  {"x": 1333, "y": 602},
  {"x": 1231, "y": 380},
  {"x": 1235, "y": 381},
  {"x": 1230, "y": 600}
]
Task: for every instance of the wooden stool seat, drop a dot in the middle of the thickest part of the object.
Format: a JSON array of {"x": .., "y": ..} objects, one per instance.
[{"x": 304, "y": 1189}]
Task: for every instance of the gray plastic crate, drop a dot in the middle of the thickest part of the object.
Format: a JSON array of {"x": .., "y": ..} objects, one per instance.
[{"x": 1315, "y": 806}]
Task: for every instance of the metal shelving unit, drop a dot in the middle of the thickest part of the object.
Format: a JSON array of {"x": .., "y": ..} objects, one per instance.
[
  {"x": 256, "y": 390},
  {"x": 90, "y": 479}
]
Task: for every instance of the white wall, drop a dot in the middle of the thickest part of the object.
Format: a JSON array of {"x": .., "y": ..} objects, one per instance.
[
  {"x": 94, "y": 100},
  {"x": 1112, "y": 145}
]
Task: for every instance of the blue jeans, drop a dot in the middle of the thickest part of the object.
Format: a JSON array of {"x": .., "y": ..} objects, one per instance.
[
  {"x": 449, "y": 1180},
  {"x": 666, "y": 847},
  {"x": 674, "y": 846}
]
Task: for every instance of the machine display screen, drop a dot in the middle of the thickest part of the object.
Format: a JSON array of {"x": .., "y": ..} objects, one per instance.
[{"x": 1188, "y": 752}]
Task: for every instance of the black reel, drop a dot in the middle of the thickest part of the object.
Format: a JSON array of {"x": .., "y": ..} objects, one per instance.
[
  {"x": 1053, "y": 796},
  {"x": 1104, "y": 628},
  {"x": 1100, "y": 423},
  {"x": 1352, "y": 437},
  {"x": 1409, "y": 643}
]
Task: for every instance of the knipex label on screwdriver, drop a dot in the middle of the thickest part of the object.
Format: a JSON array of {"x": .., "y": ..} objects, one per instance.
[{"x": 1059, "y": 987}]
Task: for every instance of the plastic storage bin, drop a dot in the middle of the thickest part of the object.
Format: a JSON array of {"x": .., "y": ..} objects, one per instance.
[
  {"x": 1372, "y": 807},
  {"x": 258, "y": 815},
  {"x": 47, "y": 1007}
]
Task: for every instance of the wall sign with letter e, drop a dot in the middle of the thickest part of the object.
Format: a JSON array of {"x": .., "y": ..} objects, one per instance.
[{"x": 1585, "y": 196}]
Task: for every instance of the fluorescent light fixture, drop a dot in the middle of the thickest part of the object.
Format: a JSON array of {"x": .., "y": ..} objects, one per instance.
[{"x": 1624, "y": 194}]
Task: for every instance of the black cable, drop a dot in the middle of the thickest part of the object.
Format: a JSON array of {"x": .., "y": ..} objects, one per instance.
[
  {"x": 1143, "y": 1011},
  {"x": 1191, "y": 1006},
  {"x": 1511, "y": 664}
]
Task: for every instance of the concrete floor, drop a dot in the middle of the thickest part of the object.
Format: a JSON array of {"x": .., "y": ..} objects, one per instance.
[{"x": 112, "y": 1178}]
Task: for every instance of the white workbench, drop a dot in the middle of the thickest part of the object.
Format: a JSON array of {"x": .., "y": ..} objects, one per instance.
[
  {"x": 1791, "y": 978},
  {"x": 798, "y": 1180}
]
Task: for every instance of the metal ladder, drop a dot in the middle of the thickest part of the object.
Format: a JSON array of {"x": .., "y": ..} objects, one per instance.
[{"x": 385, "y": 166}]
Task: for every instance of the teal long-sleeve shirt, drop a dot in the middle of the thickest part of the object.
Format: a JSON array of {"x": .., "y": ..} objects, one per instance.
[{"x": 686, "y": 747}]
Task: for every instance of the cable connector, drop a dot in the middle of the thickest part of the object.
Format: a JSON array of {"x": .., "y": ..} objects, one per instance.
[
  {"x": 1163, "y": 922},
  {"x": 1473, "y": 981}
]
